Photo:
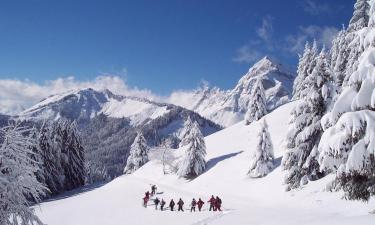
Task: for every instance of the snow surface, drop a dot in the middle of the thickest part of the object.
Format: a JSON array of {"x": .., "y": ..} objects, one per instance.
[
  {"x": 137, "y": 111},
  {"x": 245, "y": 201}
]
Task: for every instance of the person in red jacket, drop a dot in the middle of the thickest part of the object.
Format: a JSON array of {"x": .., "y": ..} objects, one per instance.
[
  {"x": 200, "y": 204},
  {"x": 218, "y": 203},
  {"x": 145, "y": 200},
  {"x": 212, "y": 202}
]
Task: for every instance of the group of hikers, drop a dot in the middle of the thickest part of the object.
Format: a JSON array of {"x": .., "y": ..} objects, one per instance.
[{"x": 215, "y": 203}]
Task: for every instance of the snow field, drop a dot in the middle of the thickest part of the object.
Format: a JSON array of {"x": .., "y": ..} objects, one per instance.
[{"x": 245, "y": 201}]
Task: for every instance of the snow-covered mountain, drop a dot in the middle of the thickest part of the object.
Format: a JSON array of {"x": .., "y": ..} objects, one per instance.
[
  {"x": 109, "y": 123},
  {"x": 229, "y": 107},
  {"x": 245, "y": 200}
]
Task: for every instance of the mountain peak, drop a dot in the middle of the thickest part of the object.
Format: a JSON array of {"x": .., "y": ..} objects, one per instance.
[{"x": 267, "y": 64}]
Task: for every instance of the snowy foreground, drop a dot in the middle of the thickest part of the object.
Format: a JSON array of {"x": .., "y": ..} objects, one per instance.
[{"x": 245, "y": 201}]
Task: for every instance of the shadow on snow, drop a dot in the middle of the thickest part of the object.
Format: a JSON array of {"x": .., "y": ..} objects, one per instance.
[
  {"x": 212, "y": 162},
  {"x": 75, "y": 192}
]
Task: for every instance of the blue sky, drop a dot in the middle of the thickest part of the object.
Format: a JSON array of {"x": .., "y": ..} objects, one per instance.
[{"x": 158, "y": 45}]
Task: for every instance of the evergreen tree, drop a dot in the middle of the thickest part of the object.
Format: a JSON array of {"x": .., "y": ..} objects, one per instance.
[
  {"x": 339, "y": 58},
  {"x": 138, "y": 154},
  {"x": 62, "y": 155},
  {"x": 51, "y": 158},
  {"x": 300, "y": 160},
  {"x": 193, "y": 162},
  {"x": 19, "y": 187},
  {"x": 75, "y": 166},
  {"x": 188, "y": 124},
  {"x": 262, "y": 161},
  {"x": 360, "y": 18},
  {"x": 257, "y": 105},
  {"x": 302, "y": 71}
]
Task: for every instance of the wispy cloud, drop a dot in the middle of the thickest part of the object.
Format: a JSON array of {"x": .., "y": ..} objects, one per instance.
[
  {"x": 247, "y": 54},
  {"x": 323, "y": 35},
  {"x": 265, "y": 31},
  {"x": 257, "y": 47},
  {"x": 314, "y": 8}
]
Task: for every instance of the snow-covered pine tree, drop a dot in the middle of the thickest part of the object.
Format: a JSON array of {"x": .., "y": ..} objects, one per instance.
[
  {"x": 19, "y": 187},
  {"x": 339, "y": 58},
  {"x": 188, "y": 124},
  {"x": 75, "y": 169},
  {"x": 193, "y": 162},
  {"x": 138, "y": 154},
  {"x": 36, "y": 155},
  {"x": 62, "y": 155},
  {"x": 360, "y": 18},
  {"x": 300, "y": 159},
  {"x": 306, "y": 65},
  {"x": 52, "y": 169},
  {"x": 347, "y": 147},
  {"x": 302, "y": 71},
  {"x": 257, "y": 105},
  {"x": 262, "y": 160}
]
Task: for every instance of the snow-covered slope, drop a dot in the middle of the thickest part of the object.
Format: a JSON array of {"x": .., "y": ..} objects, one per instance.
[
  {"x": 245, "y": 200},
  {"x": 229, "y": 107}
]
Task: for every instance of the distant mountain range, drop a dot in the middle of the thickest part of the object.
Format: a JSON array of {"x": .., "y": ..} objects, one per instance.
[
  {"x": 229, "y": 107},
  {"x": 109, "y": 122}
]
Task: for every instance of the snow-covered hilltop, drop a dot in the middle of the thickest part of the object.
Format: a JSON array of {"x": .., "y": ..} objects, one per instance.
[
  {"x": 83, "y": 105},
  {"x": 229, "y": 107}
]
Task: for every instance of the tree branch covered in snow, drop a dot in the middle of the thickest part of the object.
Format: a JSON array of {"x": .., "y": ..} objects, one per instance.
[{"x": 19, "y": 187}]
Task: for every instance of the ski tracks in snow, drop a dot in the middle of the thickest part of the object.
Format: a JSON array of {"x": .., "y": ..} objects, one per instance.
[{"x": 212, "y": 218}]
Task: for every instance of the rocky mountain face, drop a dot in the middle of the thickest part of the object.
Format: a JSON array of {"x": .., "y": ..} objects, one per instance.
[
  {"x": 109, "y": 124},
  {"x": 229, "y": 107}
]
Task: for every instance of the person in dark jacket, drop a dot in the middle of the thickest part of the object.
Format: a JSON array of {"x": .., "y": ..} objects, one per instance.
[
  {"x": 153, "y": 190},
  {"x": 147, "y": 194},
  {"x": 156, "y": 202},
  {"x": 200, "y": 204},
  {"x": 218, "y": 203},
  {"x": 212, "y": 202},
  {"x": 162, "y": 204},
  {"x": 171, "y": 204},
  {"x": 180, "y": 204},
  {"x": 193, "y": 204}
]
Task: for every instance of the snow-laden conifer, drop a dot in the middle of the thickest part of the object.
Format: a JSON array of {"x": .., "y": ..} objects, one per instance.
[
  {"x": 188, "y": 124},
  {"x": 193, "y": 162},
  {"x": 262, "y": 160},
  {"x": 360, "y": 18},
  {"x": 19, "y": 187},
  {"x": 138, "y": 154},
  {"x": 300, "y": 160},
  {"x": 257, "y": 105}
]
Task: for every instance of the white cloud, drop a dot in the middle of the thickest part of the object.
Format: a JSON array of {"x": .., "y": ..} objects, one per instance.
[
  {"x": 323, "y": 36},
  {"x": 265, "y": 31},
  {"x": 315, "y": 8},
  {"x": 255, "y": 48},
  {"x": 247, "y": 54},
  {"x": 16, "y": 95}
]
